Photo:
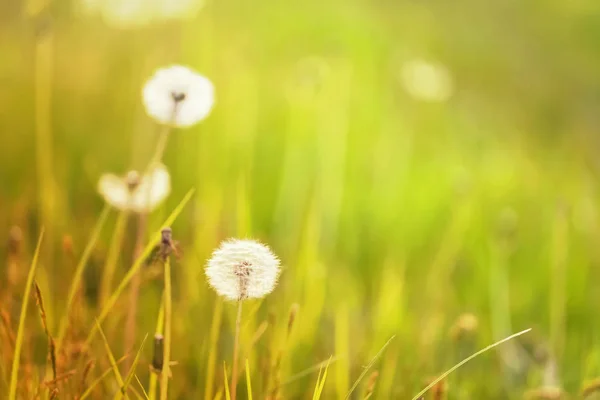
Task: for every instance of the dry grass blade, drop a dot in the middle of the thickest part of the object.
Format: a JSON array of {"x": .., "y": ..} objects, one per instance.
[
  {"x": 97, "y": 381},
  {"x": 113, "y": 363},
  {"x": 51, "y": 345},
  {"x": 368, "y": 367},
  {"x": 466, "y": 360},
  {"x": 12, "y": 392},
  {"x": 138, "y": 264},
  {"x": 87, "y": 252},
  {"x": 133, "y": 366}
]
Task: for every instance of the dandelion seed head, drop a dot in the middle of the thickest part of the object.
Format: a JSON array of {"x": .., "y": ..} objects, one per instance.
[
  {"x": 242, "y": 269},
  {"x": 178, "y": 96},
  {"x": 135, "y": 193}
]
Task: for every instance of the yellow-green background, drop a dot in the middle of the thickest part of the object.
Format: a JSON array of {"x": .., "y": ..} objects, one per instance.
[{"x": 392, "y": 216}]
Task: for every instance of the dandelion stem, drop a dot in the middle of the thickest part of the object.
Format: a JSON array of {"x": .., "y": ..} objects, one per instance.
[
  {"x": 112, "y": 257},
  {"x": 164, "y": 379},
  {"x": 134, "y": 291},
  {"x": 236, "y": 350}
]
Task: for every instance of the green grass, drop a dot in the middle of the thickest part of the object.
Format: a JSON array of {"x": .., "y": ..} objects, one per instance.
[{"x": 393, "y": 217}]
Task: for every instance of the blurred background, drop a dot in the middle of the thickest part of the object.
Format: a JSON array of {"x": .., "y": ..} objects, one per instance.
[{"x": 425, "y": 169}]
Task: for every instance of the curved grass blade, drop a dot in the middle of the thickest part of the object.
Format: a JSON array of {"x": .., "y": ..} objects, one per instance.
[
  {"x": 227, "y": 395},
  {"x": 368, "y": 367},
  {"x": 466, "y": 360},
  {"x": 113, "y": 363},
  {"x": 12, "y": 393}
]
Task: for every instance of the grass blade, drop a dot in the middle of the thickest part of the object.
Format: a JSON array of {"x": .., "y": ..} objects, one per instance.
[
  {"x": 87, "y": 252},
  {"x": 321, "y": 384},
  {"x": 466, "y": 360},
  {"x": 113, "y": 363},
  {"x": 368, "y": 367},
  {"x": 97, "y": 381},
  {"x": 106, "y": 308},
  {"x": 133, "y": 366},
  {"x": 213, "y": 346},
  {"x": 142, "y": 387},
  {"x": 227, "y": 395},
  {"x": 12, "y": 393},
  {"x": 248, "y": 381}
]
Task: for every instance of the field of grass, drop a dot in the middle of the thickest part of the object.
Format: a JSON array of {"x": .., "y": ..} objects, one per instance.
[{"x": 412, "y": 231}]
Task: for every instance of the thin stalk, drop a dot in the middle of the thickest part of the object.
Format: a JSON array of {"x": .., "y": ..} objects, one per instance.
[
  {"x": 212, "y": 349},
  {"x": 164, "y": 378},
  {"x": 87, "y": 252},
  {"x": 160, "y": 322},
  {"x": 12, "y": 393},
  {"x": 236, "y": 350},
  {"x": 136, "y": 281},
  {"x": 134, "y": 291},
  {"x": 112, "y": 258}
]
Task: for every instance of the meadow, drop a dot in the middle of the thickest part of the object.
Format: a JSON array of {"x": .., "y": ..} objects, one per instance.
[{"x": 426, "y": 172}]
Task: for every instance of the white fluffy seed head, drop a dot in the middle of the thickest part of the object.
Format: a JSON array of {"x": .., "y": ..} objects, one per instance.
[
  {"x": 242, "y": 269},
  {"x": 178, "y": 96},
  {"x": 135, "y": 193}
]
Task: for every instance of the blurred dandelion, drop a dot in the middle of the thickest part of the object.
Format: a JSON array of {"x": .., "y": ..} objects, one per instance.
[
  {"x": 240, "y": 270},
  {"x": 178, "y": 96},
  {"x": 135, "y": 13},
  {"x": 135, "y": 193},
  {"x": 427, "y": 81}
]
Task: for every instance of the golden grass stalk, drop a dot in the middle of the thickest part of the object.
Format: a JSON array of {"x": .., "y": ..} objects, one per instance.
[
  {"x": 12, "y": 392},
  {"x": 51, "y": 345},
  {"x": 366, "y": 369},
  {"x": 137, "y": 265},
  {"x": 248, "y": 380},
  {"x": 159, "y": 330},
  {"x": 160, "y": 322},
  {"x": 164, "y": 377},
  {"x": 87, "y": 252},
  {"x": 215, "y": 330},
  {"x": 466, "y": 360}
]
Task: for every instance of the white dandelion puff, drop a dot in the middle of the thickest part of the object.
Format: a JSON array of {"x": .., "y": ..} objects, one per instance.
[
  {"x": 135, "y": 193},
  {"x": 427, "y": 81},
  {"x": 178, "y": 96},
  {"x": 242, "y": 269}
]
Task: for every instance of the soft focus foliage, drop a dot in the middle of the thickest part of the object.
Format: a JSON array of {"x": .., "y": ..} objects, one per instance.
[{"x": 410, "y": 162}]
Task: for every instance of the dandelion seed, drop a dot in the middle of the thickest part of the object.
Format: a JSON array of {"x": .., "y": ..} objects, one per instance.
[
  {"x": 242, "y": 269},
  {"x": 135, "y": 193},
  {"x": 178, "y": 96}
]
